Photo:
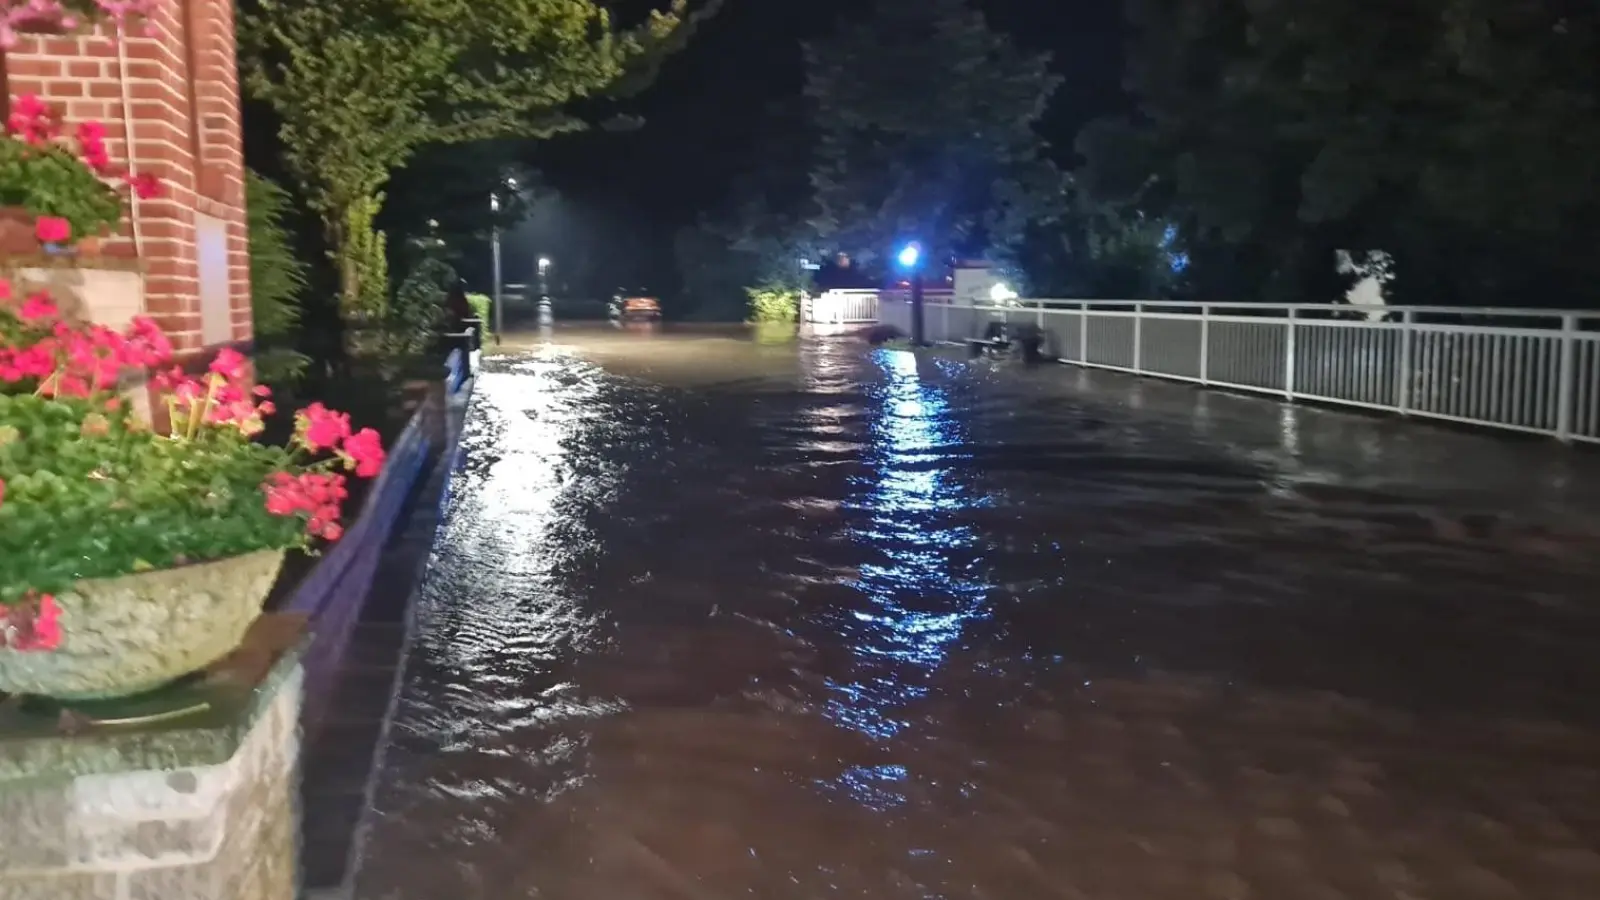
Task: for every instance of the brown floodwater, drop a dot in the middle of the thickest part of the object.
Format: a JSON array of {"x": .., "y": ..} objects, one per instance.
[{"x": 716, "y": 619}]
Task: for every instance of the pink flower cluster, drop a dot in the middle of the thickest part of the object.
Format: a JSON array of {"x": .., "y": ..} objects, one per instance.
[
  {"x": 76, "y": 361},
  {"x": 321, "y": 430},
  {"x": 20, "y": 16},
  {"x": 42, "y": 350},
  {"x": 37, "y": 124},
  {"x": 33, "y": 624},
  {"x": 318, "y": 495},
  {"x": 219, "y": 397}
]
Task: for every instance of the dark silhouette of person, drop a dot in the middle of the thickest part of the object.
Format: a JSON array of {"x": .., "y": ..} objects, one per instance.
[{"x": 455, "y": 303}]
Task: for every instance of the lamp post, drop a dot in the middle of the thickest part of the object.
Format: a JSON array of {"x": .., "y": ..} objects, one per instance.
[
  {"x": 910, "y": 259},
  {"x": 494, "y": 247},
  {"x": 546, "y": 315}
]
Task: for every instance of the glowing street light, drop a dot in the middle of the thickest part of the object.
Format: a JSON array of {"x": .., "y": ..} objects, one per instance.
[
  {"x": 1002, "y": 292},
  {"x": 910, "y": 257}
]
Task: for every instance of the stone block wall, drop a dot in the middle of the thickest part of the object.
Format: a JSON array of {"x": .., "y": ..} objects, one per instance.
[
  {"x": 205, "y": 832},
  {"x": 170, "y": 103}
]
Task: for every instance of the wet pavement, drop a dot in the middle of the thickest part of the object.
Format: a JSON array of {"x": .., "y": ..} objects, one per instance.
[{"x": 711, "y": 619}]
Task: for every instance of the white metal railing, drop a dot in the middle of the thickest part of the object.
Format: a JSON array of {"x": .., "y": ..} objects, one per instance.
[
  {"x": 842, "y": 308},
  {"x": 1532, "y": 370}
]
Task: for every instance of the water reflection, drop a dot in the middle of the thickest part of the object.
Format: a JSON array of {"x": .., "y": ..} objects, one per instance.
[
  {"x": 922, "y": 583},
  {"x": 498, "y": 623}
]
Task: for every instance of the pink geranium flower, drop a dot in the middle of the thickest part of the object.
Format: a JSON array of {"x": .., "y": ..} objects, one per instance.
[
  {"x": 52, "y": 230},
  {"x": 364, "y": 449},
  {"x": 38, "y": 307}
]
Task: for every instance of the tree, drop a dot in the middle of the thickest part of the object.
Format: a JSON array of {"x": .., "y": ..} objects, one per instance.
[
  {"x": 712, "y": 274},
  {"x": 925, "y": 121},
  {"x": 1459, "y": 136},
  {"x": 360, "y": 86},
  {"x": 1104, "y": 250},
  {"x": 443, "y": 193},
  {"x": 758, "y": 236}
]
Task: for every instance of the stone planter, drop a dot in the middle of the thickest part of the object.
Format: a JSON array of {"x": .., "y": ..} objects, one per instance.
[
  {"x": 200, "y": 807},
  {"x": 127, "y": 635}
]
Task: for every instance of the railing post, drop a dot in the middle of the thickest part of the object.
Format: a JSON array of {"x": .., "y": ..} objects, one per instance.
[
  {"x": 1083, "y": 334},
  {"x": 1564, "y": 391},
  {"x": 1205, "y": 344},
  {"x": 1040, "y": 314},
  {"x": 1288, "y": 359},
  {"x": 1403, "y": 389},
  {"x": 1138, "y": 336}
]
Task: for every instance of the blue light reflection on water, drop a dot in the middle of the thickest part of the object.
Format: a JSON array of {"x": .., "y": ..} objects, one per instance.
[{"x": 922, "y": 589}]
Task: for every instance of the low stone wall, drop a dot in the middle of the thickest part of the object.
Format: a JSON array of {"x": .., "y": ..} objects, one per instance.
[{"x": 201, "y": 807}]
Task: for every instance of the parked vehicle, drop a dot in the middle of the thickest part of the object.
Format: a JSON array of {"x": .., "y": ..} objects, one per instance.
[{"x": 635, "y": 308}]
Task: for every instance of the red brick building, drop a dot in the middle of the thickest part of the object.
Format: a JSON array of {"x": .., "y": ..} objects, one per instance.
[{"x": 170, "y": 104}]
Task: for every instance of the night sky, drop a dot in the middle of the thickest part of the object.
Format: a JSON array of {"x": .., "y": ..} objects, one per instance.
[{"x": 703, "y": 116}]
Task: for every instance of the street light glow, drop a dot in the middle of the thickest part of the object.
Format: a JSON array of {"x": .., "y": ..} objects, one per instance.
[
  {"x": 909, "y": 254},
  {"x": 544, "y": 263},
  {"x": 1002, "y": 292}
]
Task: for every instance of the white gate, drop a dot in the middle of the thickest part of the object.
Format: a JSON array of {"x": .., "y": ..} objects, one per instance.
[{"x": 842, "y": 308}]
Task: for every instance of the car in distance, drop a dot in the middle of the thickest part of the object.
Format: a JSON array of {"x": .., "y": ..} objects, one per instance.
[{"x": 635, "y": 308}]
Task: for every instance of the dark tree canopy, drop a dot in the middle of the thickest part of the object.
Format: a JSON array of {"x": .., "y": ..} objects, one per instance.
[
  {"x": 1461, "y": 136},
  {"x": 758, "y": 234},
  {"x": 924, "y": 117},
  {"x": 360, "y": 86}
]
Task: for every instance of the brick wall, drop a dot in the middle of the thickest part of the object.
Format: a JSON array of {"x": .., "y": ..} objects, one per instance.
[{"x": 179, "y": 90}]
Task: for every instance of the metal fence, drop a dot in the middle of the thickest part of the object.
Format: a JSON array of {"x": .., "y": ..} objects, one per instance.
[
  {"x": 1534, "y": 370},
  {"x": 841, "y": 308}
]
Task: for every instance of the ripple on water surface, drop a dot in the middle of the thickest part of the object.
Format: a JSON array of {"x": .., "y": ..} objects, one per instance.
[{"x": 713, "y": 620}]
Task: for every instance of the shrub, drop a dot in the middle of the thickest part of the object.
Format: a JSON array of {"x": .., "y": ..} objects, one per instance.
[
  {"x": 774, "y": 304},
  {"x": 277, "y": 275},
  {"x": 419, "y": 307},
  {"x": 277, "y": 281},
  {"x": 364, "y": 264},
  {"x": 483, "y": 308}
]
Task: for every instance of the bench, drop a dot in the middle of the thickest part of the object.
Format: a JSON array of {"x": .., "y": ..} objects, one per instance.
[{"x": 994, "y": 338}]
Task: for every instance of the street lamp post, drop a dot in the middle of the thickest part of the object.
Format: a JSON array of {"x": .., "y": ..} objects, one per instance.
[
  {"x": 494, "y": 247},
  {"x": 910, "y": 258},
  {"x": 546, "y": 315}
]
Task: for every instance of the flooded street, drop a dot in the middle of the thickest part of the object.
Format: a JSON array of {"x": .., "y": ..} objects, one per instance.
[{"x": 711, "y": 619}]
